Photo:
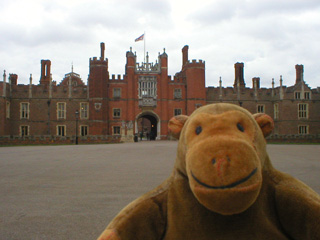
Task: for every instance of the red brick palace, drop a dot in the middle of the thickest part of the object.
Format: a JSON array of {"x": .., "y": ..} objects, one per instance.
[{"x": 142, "y": 101}]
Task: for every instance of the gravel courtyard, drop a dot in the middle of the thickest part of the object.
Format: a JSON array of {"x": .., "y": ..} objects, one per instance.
[{"x": 72, "y": 192}]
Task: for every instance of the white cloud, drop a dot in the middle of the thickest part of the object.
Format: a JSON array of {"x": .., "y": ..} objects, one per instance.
[{"x": 269, "y": 36}]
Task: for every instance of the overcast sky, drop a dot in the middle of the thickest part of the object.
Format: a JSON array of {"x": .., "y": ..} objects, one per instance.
[{"x": 269, "y": 36}]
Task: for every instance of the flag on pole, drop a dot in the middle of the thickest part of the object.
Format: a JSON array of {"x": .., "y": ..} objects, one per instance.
[{"x": 139, "y": 38}]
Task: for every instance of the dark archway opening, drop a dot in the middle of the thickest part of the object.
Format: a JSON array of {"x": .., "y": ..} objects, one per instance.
[{"x": 147, "y": 127}]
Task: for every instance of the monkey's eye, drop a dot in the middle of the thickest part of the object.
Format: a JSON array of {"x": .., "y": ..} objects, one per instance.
[
  {"x": 198, "y": 130},
  {"x": 240, "y": 127}
]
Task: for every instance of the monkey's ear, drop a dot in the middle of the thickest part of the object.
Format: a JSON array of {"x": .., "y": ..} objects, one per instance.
[
  {"x": 265, "y": 122},
  {"x": 176, "y": 124}
]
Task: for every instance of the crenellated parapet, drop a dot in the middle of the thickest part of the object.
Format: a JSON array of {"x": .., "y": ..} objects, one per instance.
[
  {"x": 194, "y": 64},
  {"x": 117, "y": 78},
  {"x": 187, "y": 64},
  {"x": 177, "y": 78},
  {"x": 98, "y": 62},
  {"x": 102, "y": 61}
]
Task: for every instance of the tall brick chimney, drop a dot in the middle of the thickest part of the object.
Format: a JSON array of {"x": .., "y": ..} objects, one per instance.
[
  {"x": 13, "y": 78},
  {"x": 45, "y": 72},
  {"x": 185, "y": 54},
  {"x": 238, "y": 67},
  {"x": 299, "y": 73},
  {"x": 256, "y": 82},
  {"x": 102, "y": 47}
]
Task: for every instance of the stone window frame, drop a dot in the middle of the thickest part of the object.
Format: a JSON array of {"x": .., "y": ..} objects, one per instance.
[
  {"x": 23, "y": 129},
  {"x": 24, "y": 111},
  {"x": 175, "y": 113},
  {"x": 177, "y": 93},
  {"x": 114, "y": 92},
  {"x": 84, "y": 110},
  {"x": 116, "y": 113},
  {"x": 261, "y": 108},
  {"x": 303, "y": 129},
  {"x": 59, "y": 133},
  {"x": 116, "y": 130},
  {"x": 7, "y": 109},
  {"x": 147, "y": 87},
  {"x": 86, "y": 130},
  {"x": 307, "y": 95},
  {"x": 297, "y": 95},
  {"x": 61, "y": 113},
  {"x": 276, "y": 111},
  {"x": 303, "y": 111}
]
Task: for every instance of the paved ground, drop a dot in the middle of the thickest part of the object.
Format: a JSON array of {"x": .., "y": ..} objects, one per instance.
[{"x": 72, "y": 192}]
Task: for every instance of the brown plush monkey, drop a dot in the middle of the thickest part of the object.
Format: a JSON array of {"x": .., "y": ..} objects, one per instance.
[{"x": 223, "y": 186}]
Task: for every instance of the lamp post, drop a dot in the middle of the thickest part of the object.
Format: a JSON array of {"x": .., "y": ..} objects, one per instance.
[{"x": 77, "y": 118}]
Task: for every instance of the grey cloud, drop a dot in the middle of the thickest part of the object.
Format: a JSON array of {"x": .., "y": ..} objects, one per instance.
[
  {"x": 220, "y": 10},
  {"x": 263, "y": 7},
  {"x": 117, "y": 16},
  {"x": 44, "y": 34},
  {"x": 155, "y": 7},
  {"x": 215, "y": 12}
]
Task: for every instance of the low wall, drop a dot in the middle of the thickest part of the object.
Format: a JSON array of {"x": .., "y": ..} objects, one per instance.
[
  {"x": 46, "y": 140},
  {"x": 308, "y": 138}
]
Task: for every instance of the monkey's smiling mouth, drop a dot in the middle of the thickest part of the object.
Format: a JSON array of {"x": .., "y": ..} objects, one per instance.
[{"x": 225, "y": 186}]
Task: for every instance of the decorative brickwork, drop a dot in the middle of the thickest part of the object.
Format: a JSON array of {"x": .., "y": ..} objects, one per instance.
[{"x": 145, "y": 92}]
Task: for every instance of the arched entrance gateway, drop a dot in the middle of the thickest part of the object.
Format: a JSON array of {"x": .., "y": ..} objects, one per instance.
[{"x": 147, "y": 126}]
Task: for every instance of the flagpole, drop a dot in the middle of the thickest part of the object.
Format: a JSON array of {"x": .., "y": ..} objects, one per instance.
[{"x": 144, "y": 47}]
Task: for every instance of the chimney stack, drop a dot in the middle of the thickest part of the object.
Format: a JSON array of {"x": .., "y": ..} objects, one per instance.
[
  {"x": 256, "y": 82},
  {"x": 185, "y": 58},
  {"x": 102, "y": 47},
  {"x": 299, "y": 73},
  {"x": 13, "y": 79},
  {"x": 239, "y": 79},
  {"x": 45, "y": 71}
]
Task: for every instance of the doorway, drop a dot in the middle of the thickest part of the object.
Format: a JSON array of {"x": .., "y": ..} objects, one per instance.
[{"x": 147, "y": 127}]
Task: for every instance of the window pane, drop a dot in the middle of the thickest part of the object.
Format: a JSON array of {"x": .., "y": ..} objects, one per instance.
[
  {"x": 116, "y": 93},
  {"x": 116, "y": 130},
  {"x": 84, "y": 110},
  {"x": 61, "y": 110},
  {"x": 24, "y": 110},
  {"x": 177, "y": 111},
  {"x": 147, "y": 86},
  {"x": 303, "y": 110},
  {"x": 84, "y": 130}
]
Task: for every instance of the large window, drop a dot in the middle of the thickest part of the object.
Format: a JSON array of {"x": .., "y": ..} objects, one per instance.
[
  {"x": 260, "y": 108},
  {"x": 147, "y": 86},
  {"x": 303, "y": 129},
  {"x": 61, "y": 130},
  {"x": 61, "y": 110},
  {"x": 83, "y": 130},
  {"x": 8, "y": 110},
  {"x": 177, "y": 111},
  {"x": 116, "y": 130},
  {"x": 177, "y": 94},
  {"x": 276, "y": 111},
  {"x": 307, "y": 95},
  {"x": 24, "y": 110},
  {"x": 116, "y": 112},
  {"x": 117, "y": 92},
  {"x": 24, "y": 131},
  {"x": 84, "y": 110},
  {"x": 303, "y": 110}
]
